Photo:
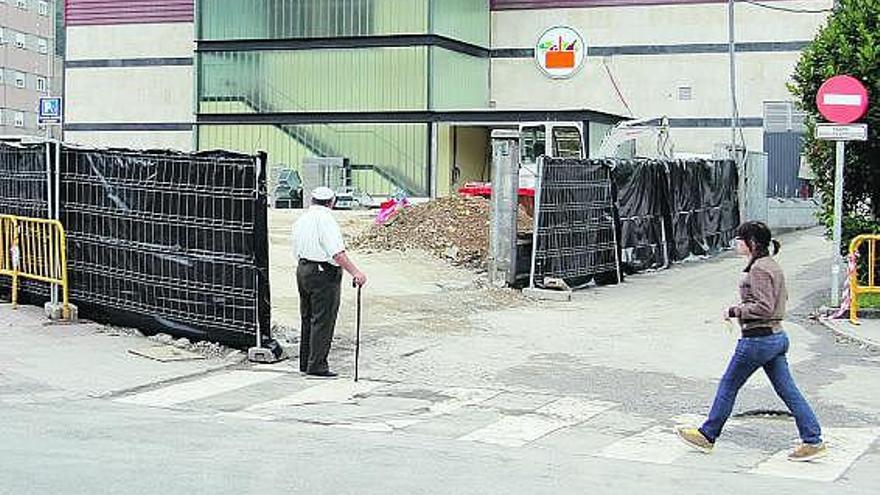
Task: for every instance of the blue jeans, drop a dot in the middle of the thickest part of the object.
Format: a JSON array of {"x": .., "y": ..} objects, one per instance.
[{"x": 768, "y": 353}]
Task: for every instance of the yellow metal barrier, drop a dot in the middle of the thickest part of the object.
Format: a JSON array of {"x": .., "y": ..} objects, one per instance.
[
  {"x": 856, "y": 289},
  {"x": 35, "y": 249}
]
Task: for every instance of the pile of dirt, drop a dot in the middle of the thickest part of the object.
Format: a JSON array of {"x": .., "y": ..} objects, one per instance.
[{"x": 455, "y": 228}]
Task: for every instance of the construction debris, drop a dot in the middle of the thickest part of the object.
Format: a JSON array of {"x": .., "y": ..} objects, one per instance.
[
  {"x": 207, "y": 350},
  {"x": 454, "y": 228}
]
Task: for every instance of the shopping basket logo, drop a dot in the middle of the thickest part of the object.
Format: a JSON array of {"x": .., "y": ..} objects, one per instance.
[{"x": 560, "y": 52}]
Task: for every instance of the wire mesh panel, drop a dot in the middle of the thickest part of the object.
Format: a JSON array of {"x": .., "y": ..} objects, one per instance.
[
  {"x": 168, "y": 242},
  {"x": 575, "y": 236},
  {"x": 23, "y": 182}
]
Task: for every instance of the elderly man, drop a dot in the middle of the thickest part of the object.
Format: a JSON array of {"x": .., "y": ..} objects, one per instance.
[{"x": 320, "y": 251}]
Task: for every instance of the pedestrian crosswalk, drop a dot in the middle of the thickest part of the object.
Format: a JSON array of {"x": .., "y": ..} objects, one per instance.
[
  {"x": 516, "y": 431},
  {"x": 179, "y": 393},
  {"x": 482, "y": 416},
  {"x": 845, "y": 446}
]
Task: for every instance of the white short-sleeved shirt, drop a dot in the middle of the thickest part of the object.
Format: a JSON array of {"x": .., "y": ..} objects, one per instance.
[{"x": 316, "y": 236}]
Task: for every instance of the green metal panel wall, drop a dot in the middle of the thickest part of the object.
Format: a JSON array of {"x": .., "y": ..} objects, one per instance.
[
  {"x": 349, "y": 80},
  {"x": 279, "y": 19},
  {"x": 396, "y": 151},
  {"x": 458, "y": 81},
  {"x": 344, "y": 79},
  {"x": 463, "y": 20}
]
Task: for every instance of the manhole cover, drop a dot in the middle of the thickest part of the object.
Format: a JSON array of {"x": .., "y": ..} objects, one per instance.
[{"x": 764, "y": 414}]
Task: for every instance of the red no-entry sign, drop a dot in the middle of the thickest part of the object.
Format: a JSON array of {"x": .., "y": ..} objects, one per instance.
[{"x": 842, "y": 99}]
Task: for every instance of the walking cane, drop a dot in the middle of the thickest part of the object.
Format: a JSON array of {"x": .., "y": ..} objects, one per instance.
[{"x": 357, "y": 340}]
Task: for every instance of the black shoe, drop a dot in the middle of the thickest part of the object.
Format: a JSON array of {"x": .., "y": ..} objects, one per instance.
[{"x": 324, "y": 374}]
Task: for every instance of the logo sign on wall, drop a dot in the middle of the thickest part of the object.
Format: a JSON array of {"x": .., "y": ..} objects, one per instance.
[{"x": 560, "y": 52}]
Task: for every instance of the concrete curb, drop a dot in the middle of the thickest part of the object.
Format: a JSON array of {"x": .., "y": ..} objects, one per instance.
[
  {"x": 187, "y": 376},
  {"x": 841, "y": 332}
]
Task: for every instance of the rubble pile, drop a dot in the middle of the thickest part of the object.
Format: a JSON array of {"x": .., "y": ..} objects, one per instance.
[
  {"x": 210, "y": 350},
  {"x": 454, "y": 228}
]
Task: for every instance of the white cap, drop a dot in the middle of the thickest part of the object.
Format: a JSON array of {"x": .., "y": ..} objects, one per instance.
[{"x": 322, "y": 193}]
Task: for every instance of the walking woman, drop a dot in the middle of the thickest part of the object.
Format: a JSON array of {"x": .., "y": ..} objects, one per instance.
[{"x": 764, "y": 344}]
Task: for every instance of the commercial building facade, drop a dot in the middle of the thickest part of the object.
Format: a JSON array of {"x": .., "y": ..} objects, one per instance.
[
  {"x": 129, "y": 73},
  {"x": 409, "y": 90}
]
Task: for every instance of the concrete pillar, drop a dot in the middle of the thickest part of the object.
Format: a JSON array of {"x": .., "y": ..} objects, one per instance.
[
  {"x": 753, "y": 192},
  {"x": 505, "y": 196}
]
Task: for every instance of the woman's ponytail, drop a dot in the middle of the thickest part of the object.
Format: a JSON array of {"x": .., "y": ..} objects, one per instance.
[{"x": 776, "y": 246}]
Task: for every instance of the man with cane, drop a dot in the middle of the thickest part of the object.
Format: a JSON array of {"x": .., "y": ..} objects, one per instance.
[{"x": 320, "y": 252}]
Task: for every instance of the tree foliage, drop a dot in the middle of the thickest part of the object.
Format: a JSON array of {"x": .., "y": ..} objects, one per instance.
[{"x": 849, "y": 43}]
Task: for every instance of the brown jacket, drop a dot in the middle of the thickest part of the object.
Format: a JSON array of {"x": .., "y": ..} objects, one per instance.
[{"x": 763, "y": 296}]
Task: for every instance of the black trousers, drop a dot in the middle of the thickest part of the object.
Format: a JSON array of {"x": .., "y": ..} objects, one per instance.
[{"x": 320, "y": 285}]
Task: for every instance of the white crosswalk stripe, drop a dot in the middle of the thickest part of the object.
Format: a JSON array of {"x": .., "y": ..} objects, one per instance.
[
  {"x": 656, "y": 445},
  {"x": 516, "y": 431},
  {"x": 845, "y": 446},
  {"x": 331, "y": 391},
  {"x": 459, "y": 398},
  {"x": 209, "y": 386}
]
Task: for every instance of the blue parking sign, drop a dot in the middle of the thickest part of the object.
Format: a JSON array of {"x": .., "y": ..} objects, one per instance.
[{"x": 51, "y": 110}]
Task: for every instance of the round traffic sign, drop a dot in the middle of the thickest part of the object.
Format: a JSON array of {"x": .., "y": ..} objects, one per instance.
[{"x": 842, "y": 99}]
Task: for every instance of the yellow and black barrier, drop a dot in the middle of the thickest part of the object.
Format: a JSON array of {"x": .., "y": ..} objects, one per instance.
[
  {"x": 34, "y": 249},
  {"x": 855, "y": 286}
]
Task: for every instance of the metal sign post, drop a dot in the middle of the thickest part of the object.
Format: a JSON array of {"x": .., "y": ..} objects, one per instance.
[
  {"x": 843, "y": 100},
  {"x": 838, "y": 223}
]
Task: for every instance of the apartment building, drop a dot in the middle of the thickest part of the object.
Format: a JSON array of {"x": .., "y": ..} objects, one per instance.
[{"x": 30, "y": 66}]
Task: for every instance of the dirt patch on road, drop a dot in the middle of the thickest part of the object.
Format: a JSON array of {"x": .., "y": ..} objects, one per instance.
[{"x": 455, "y": 228}]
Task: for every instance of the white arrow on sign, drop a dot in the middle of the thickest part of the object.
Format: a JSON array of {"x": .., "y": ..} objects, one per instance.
[{"x": 842, "y": 99}]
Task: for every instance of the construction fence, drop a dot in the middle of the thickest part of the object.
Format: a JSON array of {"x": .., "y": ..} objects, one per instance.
[
  {"x": 864, "y": 271},
  {"x": 156, "y": 240},
  {"x": 671, "y": 210},
  {"x": 574, "y": 234},
  {"x": 598, "y": 219},
  {"x": 34, "y": 249}
]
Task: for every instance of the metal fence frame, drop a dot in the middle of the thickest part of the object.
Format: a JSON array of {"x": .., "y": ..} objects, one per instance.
[
  {"x": 34, "y": 249},
  {"x": 158, "y": 240},
  {"x": 575, "y": 234},
  {"x": 856, "y": 287}
]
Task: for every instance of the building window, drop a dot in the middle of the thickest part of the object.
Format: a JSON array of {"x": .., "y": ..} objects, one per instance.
[
  {"x": 18, "y": 119},
  {"x": 19, "y": 79},
  {"x": 2, "y": 71},
  {"x": 44, "y": 8},
  {"x": 41, "y": 84},
  {"x": 2, "y": 32},
  {"x": 685, "y": 93},
  {"x": 19, "y": 40},
  {"x": 43, "y": 45},
  {"x": 22, "y": 4}
]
